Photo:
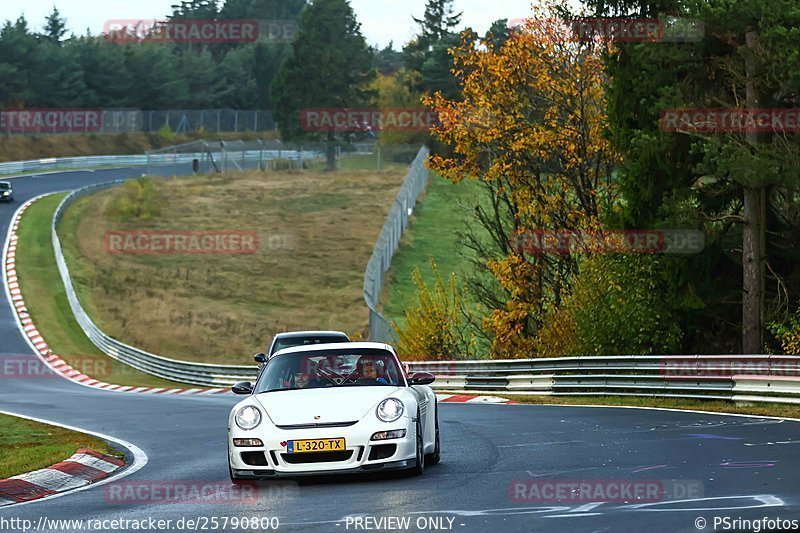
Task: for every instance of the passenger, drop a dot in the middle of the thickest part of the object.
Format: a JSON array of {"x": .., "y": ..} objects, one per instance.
[{"x": 302, "y": 380}]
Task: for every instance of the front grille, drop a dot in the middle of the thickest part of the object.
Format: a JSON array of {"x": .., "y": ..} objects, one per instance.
[
  {"x": 316, "y": 457},
  {"x": 320, "y": 425},
  {"x": 254, "y": 459},
  {"x": 382, "y": 451}
]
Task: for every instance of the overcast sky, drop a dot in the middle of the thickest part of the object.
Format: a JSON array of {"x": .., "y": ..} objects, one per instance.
[{"x": 381, "y": 20}]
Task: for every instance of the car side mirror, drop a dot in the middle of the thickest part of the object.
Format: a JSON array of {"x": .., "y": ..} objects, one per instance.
[
  {"x": 243, "y": 387},
  {"x": 260, "y": 358},
  {"x": 421, "y": 378}
]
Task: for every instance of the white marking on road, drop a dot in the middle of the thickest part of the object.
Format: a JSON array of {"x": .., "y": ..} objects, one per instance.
[
  {"x": 772, "y": 443},
  {"x": 767, "y": 500},
  {"x": 572, "y": 515},
  {"x": 562, "y": 471},
  {"x": 540, "y": 443},
  {"x": 587, "y": 507},
  {"x": 643, "y": 469}
]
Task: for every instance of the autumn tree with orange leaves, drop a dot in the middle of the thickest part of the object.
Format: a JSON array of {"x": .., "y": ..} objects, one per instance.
[{"x": 529, "y": 126}]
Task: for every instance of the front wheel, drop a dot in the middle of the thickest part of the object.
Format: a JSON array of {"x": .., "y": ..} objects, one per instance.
[
  {"x": 419, "y": 467},
  {"x": 235, "y": 480},
  {"x": 436, "y": 456}
]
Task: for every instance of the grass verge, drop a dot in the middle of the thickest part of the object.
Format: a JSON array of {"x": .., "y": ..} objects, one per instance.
[
  {"x": 26, "y": 446},
  {"x": 715, "y": 406},
  {"x": 47, "y": 303},
  {"x": 316, "y": 231},
  {"x": 434, "y": 232}
]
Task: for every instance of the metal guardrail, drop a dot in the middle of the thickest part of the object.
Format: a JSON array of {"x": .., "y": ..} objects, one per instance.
[
  {"x": 393, "y": 229},
  {"x": 70, "y": 163},
  {"x": 737, "y": 378},
  {"x": 148, "y": 160}
]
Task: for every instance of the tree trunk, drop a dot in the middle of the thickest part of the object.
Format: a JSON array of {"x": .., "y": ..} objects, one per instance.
[
  {"x": 330, "y": 153},
  {"x": 753, "y": 233}
]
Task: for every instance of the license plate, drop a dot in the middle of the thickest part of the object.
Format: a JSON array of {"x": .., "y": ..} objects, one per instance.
[{"x": 315, "y": 445}]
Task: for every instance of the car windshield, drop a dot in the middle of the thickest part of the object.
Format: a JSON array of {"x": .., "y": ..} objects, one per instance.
[
  {"x": 4, "y": 186},
  {"x": 330, "y": 368},
  {"x": 291, "y": 342}
]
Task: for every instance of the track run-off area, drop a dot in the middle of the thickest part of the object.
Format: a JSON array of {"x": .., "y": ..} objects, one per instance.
[{"x": 504, "y": 467}]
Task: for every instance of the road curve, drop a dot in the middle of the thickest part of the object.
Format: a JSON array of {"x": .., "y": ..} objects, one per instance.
[{"x": 743, "y": 467}]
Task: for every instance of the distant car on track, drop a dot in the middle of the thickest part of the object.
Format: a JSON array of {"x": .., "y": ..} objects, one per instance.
[
  {"x": 305, "y": 417},
  {"x": 6, "y": 191},
  {"x": 290, "y": 339}
]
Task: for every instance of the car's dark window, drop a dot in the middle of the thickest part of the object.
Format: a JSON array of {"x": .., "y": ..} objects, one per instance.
[
  {"x": 306, "y": 341},
  {"x": 330, "y": 368},
  {"x": 4, "y": 186}
]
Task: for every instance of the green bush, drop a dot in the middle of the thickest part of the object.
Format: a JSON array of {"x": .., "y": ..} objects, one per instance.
[
  {"x": 165, "y": 133},
  {"x": 435, "y": 327},
  {"x": 618, "y": 305},
  {"x": 138, "y": 201}
]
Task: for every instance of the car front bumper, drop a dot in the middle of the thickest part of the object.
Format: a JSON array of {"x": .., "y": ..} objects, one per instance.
[{"x": 358, "y": 448}]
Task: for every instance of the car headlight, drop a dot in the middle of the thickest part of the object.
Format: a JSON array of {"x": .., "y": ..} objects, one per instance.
[
  {"x": 248, "y": 417},
  {"x": 390, "y": 409}
]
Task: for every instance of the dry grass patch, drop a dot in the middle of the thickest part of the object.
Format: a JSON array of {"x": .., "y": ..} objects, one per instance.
[{"x": 316, "y": 232}]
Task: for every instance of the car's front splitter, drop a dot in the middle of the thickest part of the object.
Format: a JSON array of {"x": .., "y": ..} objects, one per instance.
[{"x": 373, "y": 467}]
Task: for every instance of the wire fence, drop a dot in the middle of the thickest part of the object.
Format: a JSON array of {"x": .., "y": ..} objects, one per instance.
[
  {"x": 210, "y": 120},
  {"x": 69, "y": 120},
  {"x": 394, "y": 227},
  {"x": 225, "y": 156}
]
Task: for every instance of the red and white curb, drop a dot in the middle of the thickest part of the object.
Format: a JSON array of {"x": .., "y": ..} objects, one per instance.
[
  {"x": 83, "y": 468},
  {"x": 471, "y": 398},
  {"x": 37, "y": 342}
]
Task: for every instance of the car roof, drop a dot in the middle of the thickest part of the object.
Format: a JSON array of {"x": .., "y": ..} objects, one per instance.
[
  {"x": 335, "y": 346},
  {"x": 295, "y": 334}
]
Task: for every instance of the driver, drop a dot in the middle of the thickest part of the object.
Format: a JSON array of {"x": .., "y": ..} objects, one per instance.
[{"x": 368, "y": 373}]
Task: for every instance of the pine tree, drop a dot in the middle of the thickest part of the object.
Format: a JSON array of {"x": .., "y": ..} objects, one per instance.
[
  {"x": 55, "y": 27},
  {"x": 437, "y": 27},
  {"x": 330, "y": 67}
]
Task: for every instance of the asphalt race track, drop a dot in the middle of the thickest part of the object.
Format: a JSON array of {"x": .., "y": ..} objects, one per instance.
[{"x": 725, "y": 466}]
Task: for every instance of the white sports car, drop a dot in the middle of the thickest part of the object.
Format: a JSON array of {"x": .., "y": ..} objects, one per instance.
[{"x": 333, "y": 408}]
